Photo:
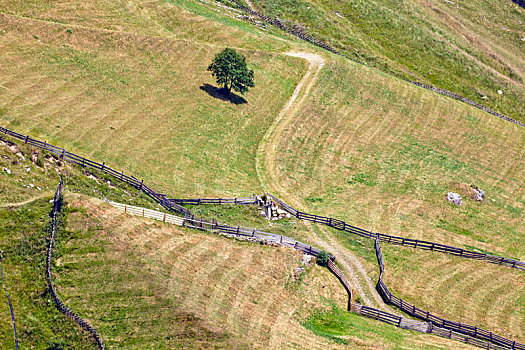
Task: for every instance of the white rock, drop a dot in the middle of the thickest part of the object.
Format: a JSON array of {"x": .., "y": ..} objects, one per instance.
[
  {"x": 454, "y": 197},
  {"x": 28, "y": 169},
  {"x": 38, "y": 188},
  {"x": 306, "y": 259},
  {"x": 479, "y": 194},
  {"x": 500, "y": 92},
  {"x": 8, "y": 171},
  {"x": 31, "y": 185}
]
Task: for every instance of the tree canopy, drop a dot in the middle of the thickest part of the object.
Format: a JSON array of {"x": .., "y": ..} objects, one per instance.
[{"x": 230, "y": 70}]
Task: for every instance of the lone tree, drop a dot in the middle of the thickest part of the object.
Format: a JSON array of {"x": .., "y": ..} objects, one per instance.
[{"x": 229, "y": 68}]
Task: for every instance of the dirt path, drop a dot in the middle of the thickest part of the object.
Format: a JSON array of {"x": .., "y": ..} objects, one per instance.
[
  {"x": 265, "y": 159},
  {"x": 27, "y": 201},
  {"x": 267, "y": 174}
]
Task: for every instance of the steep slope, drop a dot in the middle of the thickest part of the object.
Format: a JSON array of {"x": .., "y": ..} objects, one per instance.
[{"x": 474, "y": 48}]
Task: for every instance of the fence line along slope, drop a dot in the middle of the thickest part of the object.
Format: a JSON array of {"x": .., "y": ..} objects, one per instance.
[
  {"x": 131, "y": 83},
  {"x": 57, "y": 207},
  {"x": 489, "y": 62},
  {"x": 459, "y": 327}
]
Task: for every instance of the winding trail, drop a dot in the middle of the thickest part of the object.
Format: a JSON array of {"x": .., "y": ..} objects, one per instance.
[
  {"x": 267, "y": 174},
  {"x": 27, "y": 201}
]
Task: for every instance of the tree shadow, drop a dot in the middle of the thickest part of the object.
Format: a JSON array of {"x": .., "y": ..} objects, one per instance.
[{"x": 222, "y": 94}]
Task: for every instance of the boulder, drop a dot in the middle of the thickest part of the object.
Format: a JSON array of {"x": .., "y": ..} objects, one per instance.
[
  {"x": 479, "y": 195},
  {"x": 454, "y": 197}
]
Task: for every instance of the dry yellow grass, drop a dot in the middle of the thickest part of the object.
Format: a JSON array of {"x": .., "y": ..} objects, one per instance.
[
  {"x": 138, "y": 103},
  {"x": 472, "y": 292},
  {"x": 382, "y": 155},
  {"x": 142, "y": 283}
]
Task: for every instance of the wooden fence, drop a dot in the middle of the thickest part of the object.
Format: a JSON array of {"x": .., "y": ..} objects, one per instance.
[
  {"x": 214, "y": 226},
  {"x": 343, "y": 226},
  {"x": 407, "y": 242},
  {"x": 341, "y": 277},
  {"x": 199, "y": 201},
  {"x": 422, "y": 327},
  {"x": 58, "y": 303},
  {"x": 297, "y": 32},
  {"x": 471, "y": 331},
  {"x": 84, "y": 162}
]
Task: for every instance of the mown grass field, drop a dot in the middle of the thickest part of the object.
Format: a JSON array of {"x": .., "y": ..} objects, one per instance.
[
  {"x": 144, "y": 104},
  {"x": 384, "y": 160},
  {"x": 470, "y": 47},
  {"x": 144, "y": 283},
  {"x": 125, "y": 83}
]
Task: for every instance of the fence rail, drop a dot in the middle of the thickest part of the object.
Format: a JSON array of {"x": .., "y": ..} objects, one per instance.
[
  {"x": 215, "y": 226},
  {"x": 58, "y": 303},
  {"x": 422, "y": 327},
  {"x": 471, "y": 331},
  {"x": 84, "y": 162},
  {"x": 407, "y": 242},
  {"x": 199, "y": 201},
  {"x": 342, "y": 278},
  {"x": 295, "y": 31}
]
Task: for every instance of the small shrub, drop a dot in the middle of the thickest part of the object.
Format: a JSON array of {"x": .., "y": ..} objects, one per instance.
[{"x": 322, "y": 258}]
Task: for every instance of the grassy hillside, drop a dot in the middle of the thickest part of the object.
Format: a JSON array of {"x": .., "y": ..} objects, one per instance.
[
  {"x": 473, "y": 47},
  {"x": 146, "y": 284},
  {"x": 477, "y": 293},
  {"x": 126, "y": 83},
  {"x": 149, "y": 97},
  {"x": 389, "y": 153},
  {"x": 138, "y": 283},
  {"x": 385, "y": 159}
]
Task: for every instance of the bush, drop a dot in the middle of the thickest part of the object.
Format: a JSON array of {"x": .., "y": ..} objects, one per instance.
[{"x": 323, "y": 257}]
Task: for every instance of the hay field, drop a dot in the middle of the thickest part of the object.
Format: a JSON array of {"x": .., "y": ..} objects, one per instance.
[
  {"x": 472, "y": 292},
  {"x": 382, "y": 155},
  {"x": 147, "y": 284},
  {"x": 470, "y": 47},
  {"x": 144, "y": 104}
]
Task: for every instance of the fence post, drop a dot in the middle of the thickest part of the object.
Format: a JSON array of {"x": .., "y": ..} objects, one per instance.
[
  {"x": 83, "y": 159},
  {"x": 141, "y": 183},
  {"x": 164, "y": 217},
  {"x": 103, "y": 164},
  {"x": 63, "y": 153},
  {"x": 27, "y": 137},
  {"x": 143, "y": 212},
  {"x": 45, "y": 144},
  {"x": 125, "y": 208}
]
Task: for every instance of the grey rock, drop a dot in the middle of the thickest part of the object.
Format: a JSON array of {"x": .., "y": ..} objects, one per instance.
[
  {"x": 479, "y": 194},
  {"x": 454, "y": 197}
]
